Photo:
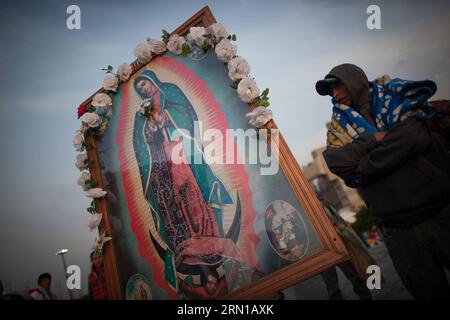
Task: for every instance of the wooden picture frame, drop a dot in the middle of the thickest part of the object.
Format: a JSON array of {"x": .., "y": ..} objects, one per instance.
[{"x": 333, "y": 250}]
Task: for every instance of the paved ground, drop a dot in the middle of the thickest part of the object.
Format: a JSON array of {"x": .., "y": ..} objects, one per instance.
[{"x": 392, "y": 289}]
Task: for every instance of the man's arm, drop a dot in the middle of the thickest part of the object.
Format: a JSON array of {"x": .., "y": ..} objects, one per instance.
[
  {"x": 344, "y": 161},
  {"x": 377, "y": 154},
  {"x": 400, "y": 144}
]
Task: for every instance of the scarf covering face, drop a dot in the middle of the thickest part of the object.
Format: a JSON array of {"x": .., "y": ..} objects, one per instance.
[{"x": 390, "y": 103}]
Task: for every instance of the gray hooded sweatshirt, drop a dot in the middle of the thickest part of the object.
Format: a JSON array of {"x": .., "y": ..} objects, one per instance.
[{"x": 408, "y": 171}]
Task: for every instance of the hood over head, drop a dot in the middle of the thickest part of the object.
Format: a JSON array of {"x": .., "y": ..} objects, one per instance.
[{"x": 356, "y": 82}]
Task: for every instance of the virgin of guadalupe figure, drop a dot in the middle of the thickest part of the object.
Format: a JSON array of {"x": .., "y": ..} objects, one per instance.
[{"x": 186, "y": 198}]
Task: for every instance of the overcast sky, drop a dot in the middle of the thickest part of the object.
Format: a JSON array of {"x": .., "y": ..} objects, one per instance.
[{"x": 48, "y": 70}]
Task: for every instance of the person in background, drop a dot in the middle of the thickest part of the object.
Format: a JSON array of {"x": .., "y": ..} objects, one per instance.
[
  {"x": 43, "y": 291},
  {"x": 98, "y": 289}
]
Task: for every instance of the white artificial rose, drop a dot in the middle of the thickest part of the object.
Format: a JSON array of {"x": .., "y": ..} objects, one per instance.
[
  {"x": 238, "y": 68},
  {"x": 95, "y": 193},
  {"x": 157, "y": 46},
  {"x": 247, "y": 90},
  {"x": 219, "y": 31},
  {"x": 81, "y": 161},
  {"x": 259, "y": 116},
  {"x": 101, "y": 100},
  {"x": 175, "y": 44},
  {"x": 197, "y": 34},
  {"x": 110, "y": 82},
  {"x": 94, "y": 221},
  {"x": 85, "y": 176},
  {"x": 78, "y": 141},
  {"x": 143, "y": 52},
  {"x": 124, "y": 71},
  {"x": 91, "y": 119},
  {"x": 100, "y": 242},
  {"x": 225, "y": 50}
]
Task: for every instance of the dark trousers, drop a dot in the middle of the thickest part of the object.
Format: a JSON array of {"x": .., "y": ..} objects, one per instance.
[
  {"x": 419, "y": 255},
  {"x": 330, "y": 277}
]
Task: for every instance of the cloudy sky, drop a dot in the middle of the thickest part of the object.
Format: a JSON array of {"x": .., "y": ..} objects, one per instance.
[{"x": 47, "y": 70}]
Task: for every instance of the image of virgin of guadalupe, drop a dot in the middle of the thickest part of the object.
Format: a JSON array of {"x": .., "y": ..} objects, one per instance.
[{"x": 187, "y": 198}]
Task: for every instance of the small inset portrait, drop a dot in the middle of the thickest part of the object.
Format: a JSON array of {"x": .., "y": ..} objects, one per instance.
[{"x": 286, "y": 230}]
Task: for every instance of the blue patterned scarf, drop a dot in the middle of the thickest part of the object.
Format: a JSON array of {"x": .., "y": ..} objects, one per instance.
[{"x": 391, "y": 103}]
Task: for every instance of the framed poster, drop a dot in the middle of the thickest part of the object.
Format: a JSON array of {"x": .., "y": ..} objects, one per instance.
[{"x": 186, "y": 227}]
